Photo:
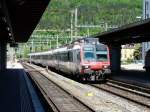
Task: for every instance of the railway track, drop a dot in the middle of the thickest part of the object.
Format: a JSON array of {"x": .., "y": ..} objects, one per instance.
[
  {"x": 133, "y": 93},
  {"x": 130, "y": 85},
  {"x": 58, "y": 98}
]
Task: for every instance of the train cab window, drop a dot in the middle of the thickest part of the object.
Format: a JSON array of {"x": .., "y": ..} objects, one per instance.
[
  {"x": 101, "y": 57},
  {"x": 88, "y": 55}
]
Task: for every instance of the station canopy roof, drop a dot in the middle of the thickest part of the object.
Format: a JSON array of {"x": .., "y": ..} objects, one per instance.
[
  {"x": 18, "y": 18},
  {"x": 132, "y": 33}
]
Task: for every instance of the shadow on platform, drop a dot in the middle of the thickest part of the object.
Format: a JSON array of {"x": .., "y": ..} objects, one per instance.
[{"x": 14, "y": 96}]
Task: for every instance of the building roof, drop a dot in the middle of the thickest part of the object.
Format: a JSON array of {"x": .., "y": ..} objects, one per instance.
[
  {"x": 18, "y": 18},
  {"x": 132, "y": 33}
]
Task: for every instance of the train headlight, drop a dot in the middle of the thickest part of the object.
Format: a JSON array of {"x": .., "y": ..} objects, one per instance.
[{"x": 105, "y": 66}]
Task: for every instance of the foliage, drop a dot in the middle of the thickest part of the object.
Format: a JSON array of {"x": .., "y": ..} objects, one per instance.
[
  {"x": 129, "y": 61},
  {"x": 114, "y": 12},
  {"x": 90, "y": 12},
  {"x": 137, "y": 52}
]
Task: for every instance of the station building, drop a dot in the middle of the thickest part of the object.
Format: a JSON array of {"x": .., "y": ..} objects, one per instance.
[{"x": 146, "y": 14}]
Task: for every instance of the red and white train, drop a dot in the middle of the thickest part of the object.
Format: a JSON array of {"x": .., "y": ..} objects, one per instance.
[{"x": 86, "y": 60}]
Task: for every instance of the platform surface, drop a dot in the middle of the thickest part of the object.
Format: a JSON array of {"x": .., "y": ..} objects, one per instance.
[
  {"x": 14, "y": 65},
  {"x": 14, "y": 95}
]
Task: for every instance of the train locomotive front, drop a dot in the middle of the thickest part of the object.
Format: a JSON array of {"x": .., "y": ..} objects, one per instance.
[{"x": 94, "y": 63}]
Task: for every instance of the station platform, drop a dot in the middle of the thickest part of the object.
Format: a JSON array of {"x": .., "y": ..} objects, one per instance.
[
  {"x": 136, "y": 77},
  {"x": 17, "y": 93}
]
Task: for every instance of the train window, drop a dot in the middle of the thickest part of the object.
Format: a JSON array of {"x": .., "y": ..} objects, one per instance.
[
  {"x": 55, "y": 56},
  {"x": 47, "y": 57},
  {"x": 70, "y": 56},
  {"x": 88, "y": 55},
  {"x": 58, "y": 56},
  {"x": 52, "y": 57},
  {"x": 43, "y": 57},
  {"x": 66, "y": 56},
  {"x": 61, "y": 56}
]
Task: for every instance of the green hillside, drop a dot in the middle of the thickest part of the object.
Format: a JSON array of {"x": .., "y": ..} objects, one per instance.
[
  {"x": 57, "y": 17},
  {"x": 114, "y": 12}
]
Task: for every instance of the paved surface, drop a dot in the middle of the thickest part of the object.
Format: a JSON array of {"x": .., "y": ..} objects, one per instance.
[
  {"x": 14, "y": 94},
  {"x": 14, "y": 65},
  {"x": 133, "y": 66}
]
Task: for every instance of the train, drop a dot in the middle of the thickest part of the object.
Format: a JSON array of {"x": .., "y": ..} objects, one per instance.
[
  {"x": 86, "y": 59},
  {"x": 147, "y": 61}
]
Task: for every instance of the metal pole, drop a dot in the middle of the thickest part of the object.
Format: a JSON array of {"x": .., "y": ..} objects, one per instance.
[
  {"x": 57, "y": 41},
  {"x": 76, "y": 21},
  {"x": 88, "y": 32},
  {"x": 106, "y": 26},
  {"x": 47, "y": 44},
  {"x": 71, "y": 32},
  {"x": 50, "y": 44},
  {"x": 32, "y": 45},
  {"x": 3, "y": 57}
]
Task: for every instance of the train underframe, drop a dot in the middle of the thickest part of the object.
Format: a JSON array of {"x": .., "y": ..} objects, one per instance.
[{"x": 92, "y": 75}]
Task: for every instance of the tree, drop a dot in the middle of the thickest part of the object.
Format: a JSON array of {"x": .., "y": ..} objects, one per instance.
[{"x": 137, "y": 52}]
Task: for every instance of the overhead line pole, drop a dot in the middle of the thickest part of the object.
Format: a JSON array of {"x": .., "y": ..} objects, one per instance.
[
  {"x": 76, "y": 21},
  {"x": 71, "y": 29}
]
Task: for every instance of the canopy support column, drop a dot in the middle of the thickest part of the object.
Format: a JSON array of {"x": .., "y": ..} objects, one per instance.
[
  {"x": 115, "y": 58},
  {"x": 3, "y": 56}
]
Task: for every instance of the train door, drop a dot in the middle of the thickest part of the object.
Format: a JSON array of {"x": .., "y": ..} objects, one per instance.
[
  {"x": 78, "y": 57},
  {"x": 71, "y": 61},
  {"x": 78, "y": 60}
]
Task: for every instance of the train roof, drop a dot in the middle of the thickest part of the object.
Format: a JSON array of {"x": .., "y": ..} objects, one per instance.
[
  {"x": 48, "y": 52},
  {"x": 40, "y": 53},
  {"x": 63, "y": 48}
]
